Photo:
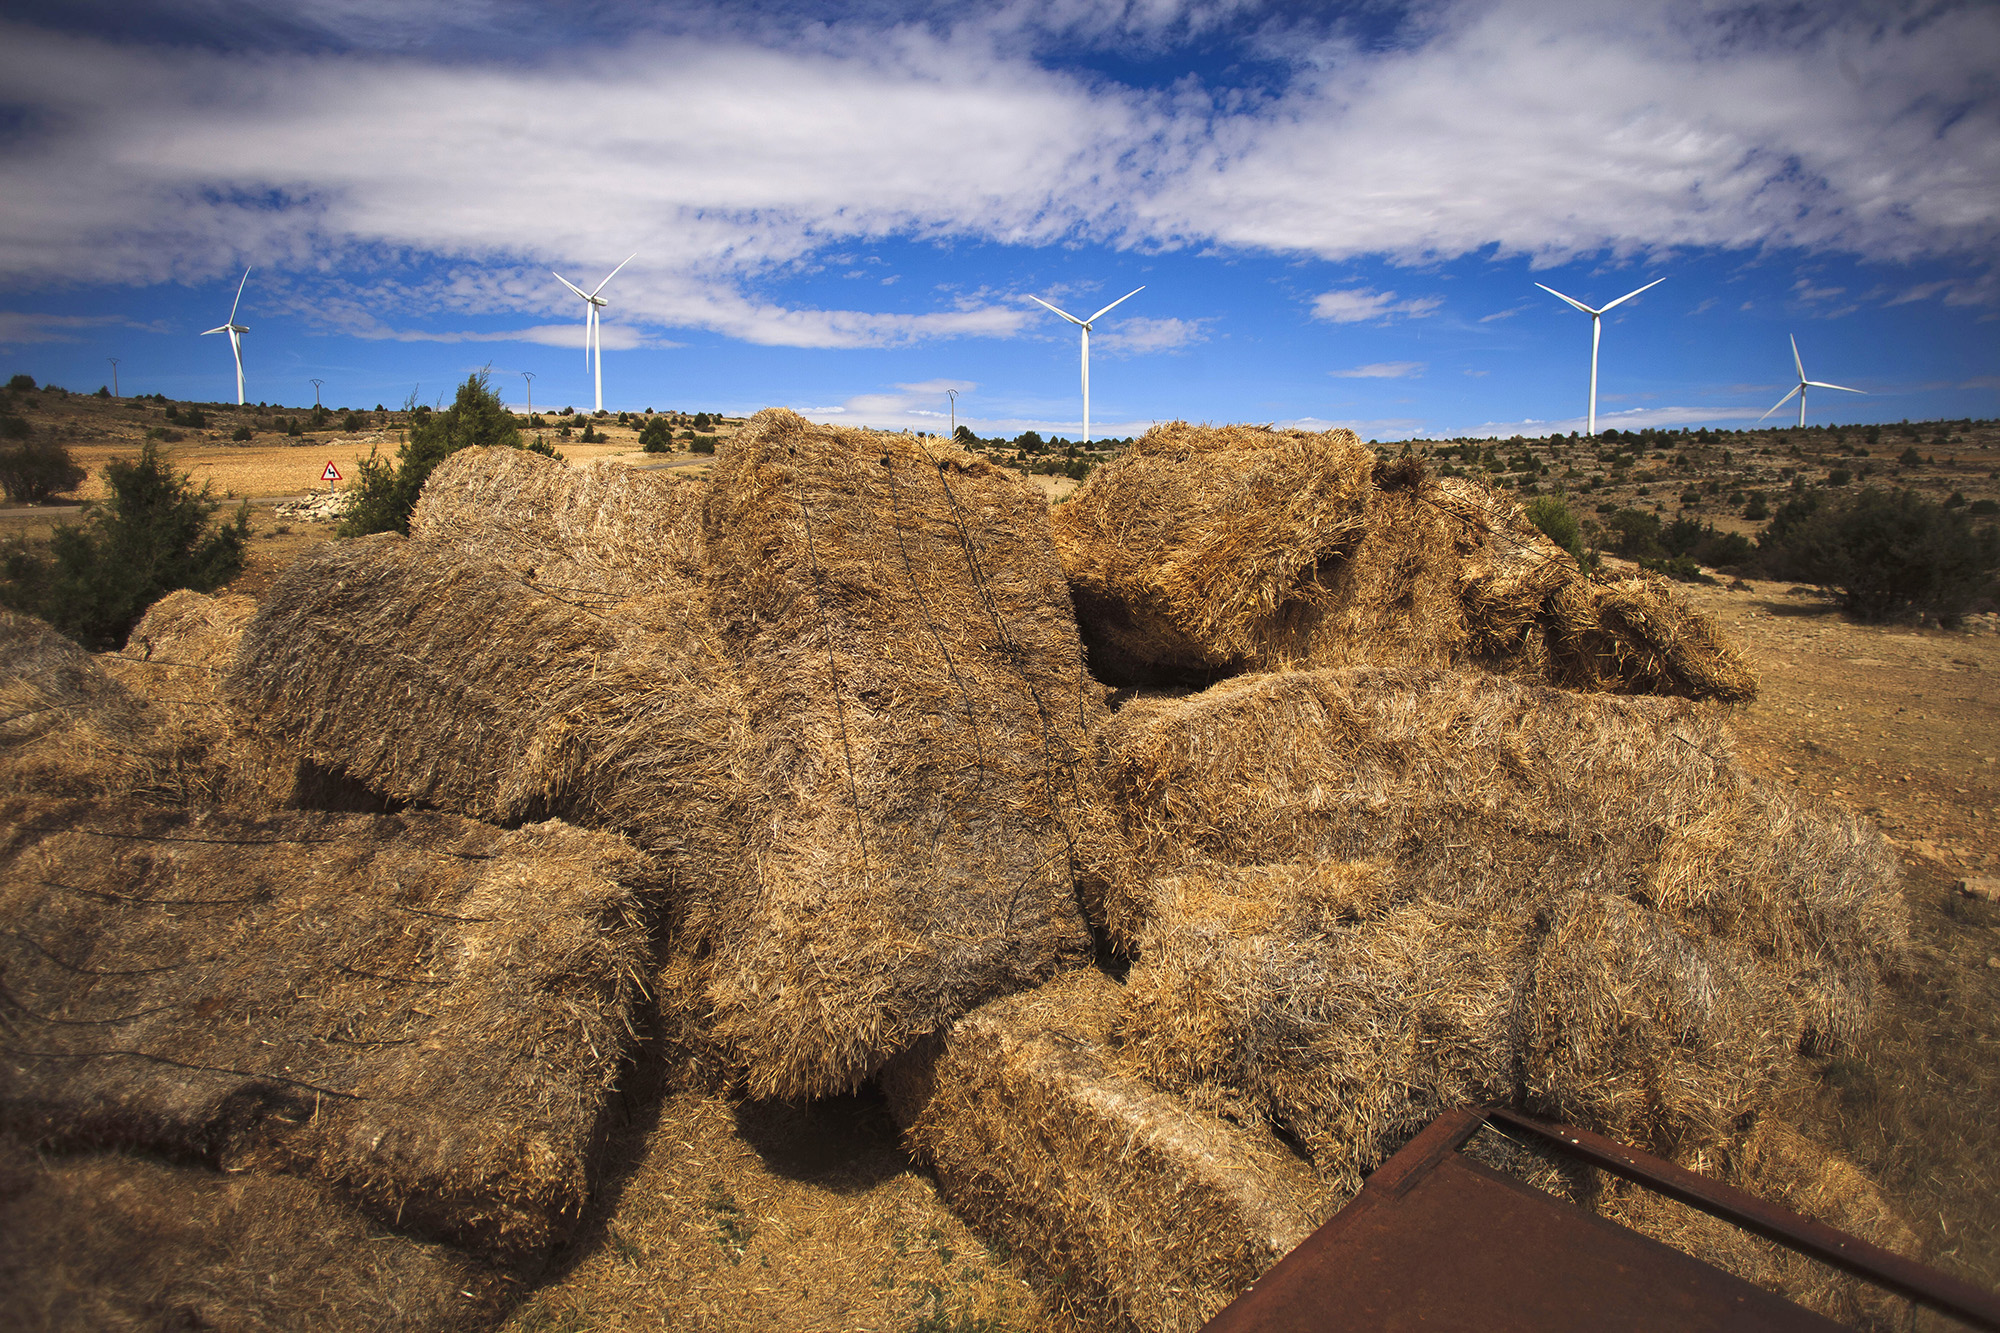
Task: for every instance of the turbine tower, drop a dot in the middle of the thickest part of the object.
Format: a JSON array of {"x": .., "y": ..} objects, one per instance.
[
  {"x": 1596, "y": 331},
  {"x": 1085, "y": 324},
  {"x": 235, "y": 332},
  {"x": 1803, "y": 385},
  {"x": 593, "y": 339}
]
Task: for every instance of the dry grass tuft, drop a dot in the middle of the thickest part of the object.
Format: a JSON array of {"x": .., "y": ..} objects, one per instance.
[
  {"x": 426, "y": 1012},
  {"x": 917, "y": 718},
  {"x": 105, "y": 1242},
  {"x": 1202, "y": 552},
  {"x": 1132, "y": 1206},
  {"x": 1378, "y": 894}
]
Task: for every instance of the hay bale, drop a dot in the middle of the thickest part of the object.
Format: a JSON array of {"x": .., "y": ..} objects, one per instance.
[
  {"x": 1379, "y": 894},
  {"x": 592, "y": 531},
  {"x": 435, "y": 676},
  {"x": 1198, "y": 550},
  {"x": 424, "y": 1011},
  {"x": 1203, "y": 552},
  {"x": 1484, "y": 788},
  {"x": 1137, "y": 1209},
  {"x": 917, "y": 739},
  {"x": 66, "y": 727},
  {"x": 102, "y": 1242}
]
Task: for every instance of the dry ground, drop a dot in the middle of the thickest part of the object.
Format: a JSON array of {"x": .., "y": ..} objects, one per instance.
[{"x": 765, "y": 1216}]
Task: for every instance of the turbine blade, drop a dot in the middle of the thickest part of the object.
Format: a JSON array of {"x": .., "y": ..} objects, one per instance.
[
  {"x": 1629, "y": 295},
  {"x": 572, "y": 286},
  {"x": 219, "y": 329},
  {"x": 1821, "y": 384},
  {"x": 1571, "y": 299},
  {"x": 239, "y": 295},
  {"x": 1064, "y": 313},
  {"x": 1782, "y": 401},
  {"x": 1795, "y": 359},
  {"x": 1126, "y": 297},
  {"x": 613, "y": 273}
]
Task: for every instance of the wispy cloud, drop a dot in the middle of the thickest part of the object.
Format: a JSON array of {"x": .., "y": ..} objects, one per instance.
[
  {"x": 1131, "y": 337},
  {"x": 1381, "y": 370},
  {"x": 24, "y": 326},
  {"x": 1358, "y": 305}
]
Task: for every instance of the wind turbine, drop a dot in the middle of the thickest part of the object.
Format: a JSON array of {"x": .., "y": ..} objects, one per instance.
[
  {"x": 1085, "y": 324},
  {"x": 235, "y": 332},
  {"x": 1596, "y": 331},
  {"x": 593, "y": 339},
  {"x": 1803, "y": 385}
]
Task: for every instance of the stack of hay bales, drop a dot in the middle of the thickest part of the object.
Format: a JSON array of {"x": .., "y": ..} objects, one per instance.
[
  {"x": 488, "y": 666},
  {"x": 66, "y": 727},
  {"x": 917, "y": 738},
  {"x": 1201, "y": 552},
  {"x": 1138, "y": 1208},
  {"x": 425, "y": 1012},
  {"x": 1377, "y": 894},
  {"x": 107, "y": 1243}
]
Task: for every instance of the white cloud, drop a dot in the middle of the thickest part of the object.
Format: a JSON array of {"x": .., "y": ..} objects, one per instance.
[
  {"x": 1381, "y": 370},
  {"x": 1356, "y": 305},
  {"x": 1138, "y": 335},
  {"x": 24, "y": 326},
  {"x": 734, "y": 154}
]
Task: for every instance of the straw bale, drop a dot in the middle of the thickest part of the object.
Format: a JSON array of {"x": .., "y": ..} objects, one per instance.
[
  {"x": 435, "y": 675},
  {"x": 1774, "y": 1161},
  {"x": 427, "y": 1012},
  {"x": 1376, "y": 894},
  {"x": 1195, "y": 547},
  {"x": 1202, "y": 552},
  {"x": 108, "y": 1243},
  {"x": 591, "y": 530},
  {"x": 1481, "y": 787},
  {"x": 1137, "y": 1209},
  {"x": 917, "y": 717},
  {"x": 66, "y": 727}
]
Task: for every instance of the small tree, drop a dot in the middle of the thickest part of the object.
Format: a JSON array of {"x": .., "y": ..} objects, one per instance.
[
  {"x": 153, "y": 535},
  {"x": 657, "y": 437},
  {"x": 1885, "y": 552},
  {"x": 1552, "y": 515},
  {"x": 38, "y": 470},
  {"x": 387, "y": 493}
]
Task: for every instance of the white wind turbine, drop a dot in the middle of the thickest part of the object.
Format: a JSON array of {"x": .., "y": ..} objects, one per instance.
[
  {"x": 1596, "y": 331},
  {"x": 1803, "y": 385},
  {"x": 1085, "y": 324},
  {"x": 593, "y": 338},
  {"x": 235, "y": 332}
]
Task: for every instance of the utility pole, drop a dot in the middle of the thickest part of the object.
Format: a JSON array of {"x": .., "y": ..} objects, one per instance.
[
  {"x": 953, "y": 395},
  {"x": 114, "y": 375},
  {"x": 529, "y": 376},
  {"x": 316, "y": 384}
]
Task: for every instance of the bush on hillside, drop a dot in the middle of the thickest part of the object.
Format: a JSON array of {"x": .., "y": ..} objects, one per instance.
[
  {"x": 1886, "y": 553},
  {"x": 388, "y": 492},
  {"x": 1553, "y": 517},
  {"x": 38, "y": 470},
  {"x": 657, "y": 437},
  {"x": 154, "y": 534}
]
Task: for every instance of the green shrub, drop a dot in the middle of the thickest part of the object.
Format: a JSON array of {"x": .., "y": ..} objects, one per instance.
[
  {"x": 240, "y": 434},
  {"x": 1553, "y": 517},
  {"x": 1984, "y": 507},
  {"x": 21, "y": 384},
  {"x": 13, "y": 427},
  {"x": 153, "y": 535},
  {"x": 38, "y": 470},
  {"x": 1885, "y": 553},
  {"x": 387, "y": 493},
  {"x": 1910, "y": 457},
  {"x": 352, "y": 423},
  {"x": 703, "y": 444},
  {"x": 657, "y": 437}
]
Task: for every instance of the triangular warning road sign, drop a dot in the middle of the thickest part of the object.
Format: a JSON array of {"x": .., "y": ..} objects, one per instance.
[{"x": 332, "y": 473}]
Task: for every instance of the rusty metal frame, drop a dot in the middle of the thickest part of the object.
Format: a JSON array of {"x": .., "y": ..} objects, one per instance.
[{"x": 1370, "y": 1251}]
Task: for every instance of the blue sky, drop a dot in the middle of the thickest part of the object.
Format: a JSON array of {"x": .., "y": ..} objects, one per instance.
[{"x": 1338, "y": 212}]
